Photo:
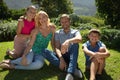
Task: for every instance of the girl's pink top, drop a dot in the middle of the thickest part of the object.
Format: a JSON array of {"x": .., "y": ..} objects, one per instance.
[{"x": 28, "y": 27}]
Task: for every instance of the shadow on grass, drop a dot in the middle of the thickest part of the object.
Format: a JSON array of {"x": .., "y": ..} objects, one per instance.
[
  {"x": 45, "y": 73},
  {"x": 48, "y": 72},
  {"x": 105, "y": 76}
]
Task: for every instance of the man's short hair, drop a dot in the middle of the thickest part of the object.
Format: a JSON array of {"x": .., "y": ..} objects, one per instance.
[{"x": 65, "y": 15}]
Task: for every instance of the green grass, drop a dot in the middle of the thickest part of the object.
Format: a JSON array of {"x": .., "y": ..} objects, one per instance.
[{"x": 50, "y": 72}]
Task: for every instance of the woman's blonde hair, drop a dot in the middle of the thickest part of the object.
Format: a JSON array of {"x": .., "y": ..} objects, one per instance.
[{"x": 37, "y": 23}]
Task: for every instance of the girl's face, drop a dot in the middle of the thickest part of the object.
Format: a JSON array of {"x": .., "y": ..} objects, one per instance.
[
  {"x": 31, "y": 13},
  {"x": 65, "y": 23},
  {"x": 93, "y": 37},
  {"x": 43, "y": 19}
]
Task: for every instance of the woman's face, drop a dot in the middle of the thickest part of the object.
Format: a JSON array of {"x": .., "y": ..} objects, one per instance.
[
  {"x": 43, "y": 19},
  {"x": 31, "y": 13},
  {"x": 93, "y": 37}
]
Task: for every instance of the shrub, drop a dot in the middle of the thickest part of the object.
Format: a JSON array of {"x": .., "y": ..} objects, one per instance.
[
  {"x": 111, "y": 37},
  {"x": 7, "y": 30},
  {"x": 93, "y": 20}
]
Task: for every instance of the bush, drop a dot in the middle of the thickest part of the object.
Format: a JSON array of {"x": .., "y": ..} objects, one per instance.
[
  {"x": 7, "y": 30},
  {"x": 111, "y": 38},
  {"x": 93, "y": 20}
]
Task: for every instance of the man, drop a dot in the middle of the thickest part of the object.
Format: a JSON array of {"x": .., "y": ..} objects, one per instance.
[{"x": 66, "y": 47}]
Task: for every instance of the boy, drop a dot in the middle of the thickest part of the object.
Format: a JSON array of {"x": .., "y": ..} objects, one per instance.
[{"x": 95, "y": 54}]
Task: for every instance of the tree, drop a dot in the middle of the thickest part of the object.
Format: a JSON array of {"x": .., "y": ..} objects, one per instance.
[
  {"x": 4, "y": 12},
  {"x": 110, "y": 11},
  {"x": 55, "y": 7}
]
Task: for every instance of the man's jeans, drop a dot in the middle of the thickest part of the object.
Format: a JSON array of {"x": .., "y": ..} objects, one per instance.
[{"x": 70, "y": 57}]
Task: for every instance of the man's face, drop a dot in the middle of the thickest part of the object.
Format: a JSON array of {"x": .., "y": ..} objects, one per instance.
[{"x": 65, "y": 23}]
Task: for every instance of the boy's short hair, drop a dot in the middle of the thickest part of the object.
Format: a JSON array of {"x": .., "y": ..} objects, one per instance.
[{"x": 95, "y": 31}]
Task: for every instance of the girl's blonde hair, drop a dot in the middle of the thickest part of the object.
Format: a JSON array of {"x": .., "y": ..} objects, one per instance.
[
  {"x": 37, "y": 23},
  {"x": 27, "y": 9}
]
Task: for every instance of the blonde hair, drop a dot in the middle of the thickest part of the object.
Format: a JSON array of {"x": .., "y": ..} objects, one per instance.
[{"x": 37, "y": 23}]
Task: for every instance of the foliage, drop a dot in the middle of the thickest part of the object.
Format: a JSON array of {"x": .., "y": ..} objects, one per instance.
[
  {"x": 4, "y": 12},
  {"x": 110, "y": 11},
  {"x": 98, "y": 22},
  {"x": 15, "y": 14},
  {"x": 111, "y": 37},
  {"x": 7, "y": 30},
  {"x": 55, "y": 7},
  {"x": 75, "y": 19}
]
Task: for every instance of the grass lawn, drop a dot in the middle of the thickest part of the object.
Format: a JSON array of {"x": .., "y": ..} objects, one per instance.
[{"x": 50, "y": 72}]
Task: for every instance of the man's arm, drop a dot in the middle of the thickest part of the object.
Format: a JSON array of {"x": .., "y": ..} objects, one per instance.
[
  {"x": 65, "y": 45},
  {"x": 62, "y": 65},
  {"x": 76, "y": 39}
]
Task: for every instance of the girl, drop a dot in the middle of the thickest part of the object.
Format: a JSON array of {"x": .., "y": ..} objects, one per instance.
[{"x": 25, "y": 25}]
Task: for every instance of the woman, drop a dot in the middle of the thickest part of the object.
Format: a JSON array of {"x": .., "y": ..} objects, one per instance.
[{"x": 32, "y": 57}]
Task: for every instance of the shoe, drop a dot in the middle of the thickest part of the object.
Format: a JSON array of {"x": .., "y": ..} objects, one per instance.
[
  {"x": 78, "y": 73},
  {"x": 69, "y": 77}
]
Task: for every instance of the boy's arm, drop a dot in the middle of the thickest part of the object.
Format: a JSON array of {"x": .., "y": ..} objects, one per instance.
[
  {"x": 104, "y": 54},
  {"x": 88, "y": 52}
]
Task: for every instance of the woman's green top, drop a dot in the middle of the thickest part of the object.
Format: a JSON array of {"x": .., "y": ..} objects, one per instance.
[{"x": 41, "y": 43}]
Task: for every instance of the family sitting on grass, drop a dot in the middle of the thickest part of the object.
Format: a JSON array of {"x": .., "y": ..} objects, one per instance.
[{"x": 34, "y": 33}]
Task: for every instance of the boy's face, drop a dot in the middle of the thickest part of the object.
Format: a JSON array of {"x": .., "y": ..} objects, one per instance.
[{"x": 93, "y": 37}]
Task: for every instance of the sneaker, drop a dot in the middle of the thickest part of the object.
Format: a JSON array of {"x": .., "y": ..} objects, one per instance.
[
  {"x": 78, "y": 73},
  {"x": 69, "y": 77}
]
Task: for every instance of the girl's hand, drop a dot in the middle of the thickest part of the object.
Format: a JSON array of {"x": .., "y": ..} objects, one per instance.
[{"x": 24, "y": 60}]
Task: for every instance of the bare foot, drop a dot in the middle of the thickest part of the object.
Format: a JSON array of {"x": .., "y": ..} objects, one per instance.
[
  {"x": 6, "y": 66},
  {"x": 6, "y": 61}
]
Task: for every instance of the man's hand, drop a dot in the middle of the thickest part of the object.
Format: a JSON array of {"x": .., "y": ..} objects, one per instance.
[{"x": 64, "y": 47}]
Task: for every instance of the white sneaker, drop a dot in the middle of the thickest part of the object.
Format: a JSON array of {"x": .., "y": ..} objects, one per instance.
[
  {"x": 69, "y": 77},
  {"x": 78, "y": 73}
]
